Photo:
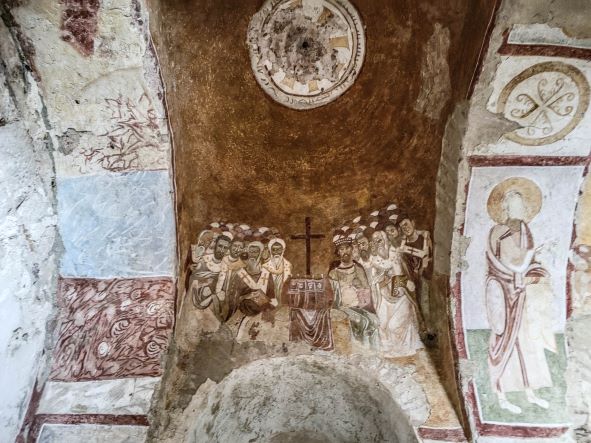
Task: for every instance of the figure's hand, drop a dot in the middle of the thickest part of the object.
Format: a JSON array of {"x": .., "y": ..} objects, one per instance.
[
  {"x": 274, "y": 302},
  {"x": 221, "y": 295},
  {"x": 199, "y": 301},
  {"x": 204, "y": 303},
  {"x": 206, "y": 292}
]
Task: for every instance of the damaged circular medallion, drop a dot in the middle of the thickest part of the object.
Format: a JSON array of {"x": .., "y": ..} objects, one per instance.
[{"x": 306, "y": 53}]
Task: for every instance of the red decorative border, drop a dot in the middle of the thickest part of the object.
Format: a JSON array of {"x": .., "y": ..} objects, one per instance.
[
  {"x": 459, "y": 335},
  {"x": 30, "y": 414},
  {"x": 483, "y": 49},
  {"x": 82, "y": 419},
  {"x": 532, "y": 160},
  {"x": 541, "y": 50},
  {"x": 442, "y": 434}
]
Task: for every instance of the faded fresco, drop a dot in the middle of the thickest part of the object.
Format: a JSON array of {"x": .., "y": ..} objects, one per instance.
[
  {"x": 368, "y": 299},
  {"x": 112, "y": 328},
  {"x": 514, "y": 294},
  {"x": 547, "y": 98},
  {"x": 306, "y": 53}
]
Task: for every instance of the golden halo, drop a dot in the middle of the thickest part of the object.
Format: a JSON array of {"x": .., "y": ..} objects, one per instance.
[{"x": 532, "y": 198}]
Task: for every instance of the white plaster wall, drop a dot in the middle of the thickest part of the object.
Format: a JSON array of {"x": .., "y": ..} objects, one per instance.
[
  {"x": 56, "y": 105},
  {"x": 28, "y": 237}
]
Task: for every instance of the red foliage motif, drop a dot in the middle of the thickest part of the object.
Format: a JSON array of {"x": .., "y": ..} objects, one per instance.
[
  {"x": 112, "y": 328},
  {"x": 135, "y": 128}
]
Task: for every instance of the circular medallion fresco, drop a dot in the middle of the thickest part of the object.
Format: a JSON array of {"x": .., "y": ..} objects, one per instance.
[
  {"x": 548, "y": 100},
  {"x": 306, "y": 53}
]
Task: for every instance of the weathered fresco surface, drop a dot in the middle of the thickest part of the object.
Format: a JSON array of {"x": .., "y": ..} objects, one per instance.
[
  {"x": 103, "y": 123},
  {"x": 116, "y": 225},
  {"x": 112, "y": 328},
  {"x": 240, "y": 276},
  {"x": 514, "y": 291},
  {"x": 306, "y": 53},
  {"x": 244, "y": 299},
  {"x": 244, "y": 158},
  {"x": 519, "y": 258}
]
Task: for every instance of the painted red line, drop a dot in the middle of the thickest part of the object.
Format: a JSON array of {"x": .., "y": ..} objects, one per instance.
[
  {"x": 483, "y": 49},
  {"x": 442, "y": 434},
  {"x": 517, "y": 160},
  {"x": 542, "y": 50},
  {"x": 30, "y": 414},
  {"x": 458, "y": 327}
]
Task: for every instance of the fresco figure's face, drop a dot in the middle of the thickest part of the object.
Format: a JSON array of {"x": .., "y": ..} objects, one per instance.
[
  {"x": 276, "y": 250},
  {"x": 392, "y": 233},
  {"x": 205, "y": 240},
  {"x": 254, "y": 252},
  {"x": 408, "y": 227},
  {"x": 380, "y": 243},
  {"x": 345, "y": 253},
  {"x": 373, "y": 247},
  {"x": 362, "y": 244},
  {"x": 222, "y": 247},
  {"x": 514, "y": 206},
  {"x": 236, "y": 248}
]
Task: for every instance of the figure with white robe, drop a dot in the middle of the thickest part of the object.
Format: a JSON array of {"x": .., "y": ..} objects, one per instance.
[
  {"x": 397, "y": 309},
  {"x": 278, "y": 267},
  {"x": 518, "y": 294}
]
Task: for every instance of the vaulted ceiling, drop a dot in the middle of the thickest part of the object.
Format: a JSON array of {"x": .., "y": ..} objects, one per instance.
[{"x": 243, "y": 157}]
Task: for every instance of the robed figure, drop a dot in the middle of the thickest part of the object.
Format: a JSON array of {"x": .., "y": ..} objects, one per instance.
[
  {"x": 249, "y": 290},
  {"x": 397, "y": 308},
  {"x": 352, "y": 293},
  {"x": 517, "y": 295},
  {"x": 278, "y": 267}
]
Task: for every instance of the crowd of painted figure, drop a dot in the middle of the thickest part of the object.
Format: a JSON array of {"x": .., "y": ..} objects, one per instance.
[
  {"x": 381, "y": 261},
  {"x": 238, "y": 267},
  {"x": 381, "y": 265}
]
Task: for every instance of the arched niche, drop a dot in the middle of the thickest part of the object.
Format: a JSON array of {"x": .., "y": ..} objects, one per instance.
[{"x": 297, "y": 399}]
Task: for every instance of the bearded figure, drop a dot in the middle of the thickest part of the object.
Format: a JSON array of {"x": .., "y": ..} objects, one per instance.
[
  {"x": 352, "y": 293},
  {"x": 205, "y": 273},
  {"x": 278, "y": 267},
  {"x": 249, "y": 288},
  {"x": 230, "y": 264},
  {"x": 204, "y": 243}
]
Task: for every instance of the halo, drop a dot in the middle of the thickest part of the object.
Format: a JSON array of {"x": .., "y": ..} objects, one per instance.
[{"x": 532, "y": 198}]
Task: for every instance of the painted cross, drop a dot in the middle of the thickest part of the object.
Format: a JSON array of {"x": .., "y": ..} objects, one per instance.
[{"x": 308, "y": 236}]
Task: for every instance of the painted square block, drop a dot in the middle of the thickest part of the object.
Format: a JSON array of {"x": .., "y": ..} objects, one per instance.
[
  {"x": 548, "y": 100},
  {"x": 519, "y": 223},
  {"x": 117, "y": 225},
  {"x": 76, "y": 433},
  {"x": 112, "y": 328}
]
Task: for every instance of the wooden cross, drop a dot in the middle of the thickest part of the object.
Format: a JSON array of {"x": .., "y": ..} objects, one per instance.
[{"x": 308, "y": 236}]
